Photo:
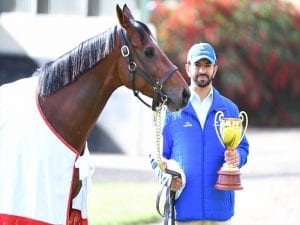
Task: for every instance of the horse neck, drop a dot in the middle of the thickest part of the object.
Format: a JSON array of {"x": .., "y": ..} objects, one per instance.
[{"x": 73, "y": 110}]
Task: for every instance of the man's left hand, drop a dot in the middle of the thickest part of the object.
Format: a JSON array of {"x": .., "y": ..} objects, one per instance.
[{"x": 232, "y": 157}]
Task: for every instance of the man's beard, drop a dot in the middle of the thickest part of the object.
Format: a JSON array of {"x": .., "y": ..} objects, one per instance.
[{"x": 203, "y": 83}]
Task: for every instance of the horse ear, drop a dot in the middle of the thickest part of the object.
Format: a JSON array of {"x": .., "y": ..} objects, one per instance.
[
  {"x": 124, "y": 16},
  {"x": 126, "y": 21},
  {"x": 120, "y": 15},
  {"x": 127, "y": 12}
]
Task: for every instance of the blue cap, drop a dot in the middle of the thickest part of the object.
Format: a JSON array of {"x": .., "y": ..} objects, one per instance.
[{"x": 201, "y": 51}]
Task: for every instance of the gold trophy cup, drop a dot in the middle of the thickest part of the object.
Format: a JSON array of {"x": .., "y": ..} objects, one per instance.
[{"x": 230, "y": 133}]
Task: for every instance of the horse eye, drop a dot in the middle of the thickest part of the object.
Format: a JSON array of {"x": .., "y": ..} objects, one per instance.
[{"x": 149, "y": 52}]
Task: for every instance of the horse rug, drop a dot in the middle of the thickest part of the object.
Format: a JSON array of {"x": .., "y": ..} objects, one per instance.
[{"x": 36, "y": 165}]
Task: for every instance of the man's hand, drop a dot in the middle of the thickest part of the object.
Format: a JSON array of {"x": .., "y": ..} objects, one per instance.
[
  {"x": 232, "y": 157},
  {"x": 176, "y": 183}
]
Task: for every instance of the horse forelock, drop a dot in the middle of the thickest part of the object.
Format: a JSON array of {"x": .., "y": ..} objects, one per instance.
[
  {"x": 144, "y": 31},
  {"x": 69, "y": 67}
]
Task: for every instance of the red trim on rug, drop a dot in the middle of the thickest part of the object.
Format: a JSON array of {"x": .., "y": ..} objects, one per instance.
[
  {"x": 76, "y": 219},
  {"x": 6, "y": 219},
  {"x": 73, "y": 216},
  {"x": 69, "y": 209},
  {"x": 52, "y": 128}
]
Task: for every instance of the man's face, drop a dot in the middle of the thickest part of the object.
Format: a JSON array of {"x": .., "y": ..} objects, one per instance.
[{"x": 201, "y": 72}]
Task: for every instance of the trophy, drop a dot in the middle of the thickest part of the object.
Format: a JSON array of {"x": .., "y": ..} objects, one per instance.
[{"x": 230, "y": 133}]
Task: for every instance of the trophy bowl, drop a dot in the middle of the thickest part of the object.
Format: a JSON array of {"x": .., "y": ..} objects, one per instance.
[{"x": 230, "y": 132}]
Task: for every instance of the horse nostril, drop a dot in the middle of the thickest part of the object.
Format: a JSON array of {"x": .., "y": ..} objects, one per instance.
[{"x": 185, "y": 96}]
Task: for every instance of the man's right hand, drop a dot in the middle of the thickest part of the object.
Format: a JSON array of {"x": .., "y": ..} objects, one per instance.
[{"x": 176, "y": 183}]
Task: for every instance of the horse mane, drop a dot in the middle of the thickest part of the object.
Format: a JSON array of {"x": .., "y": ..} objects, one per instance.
[{"x": 54, "y": 75}]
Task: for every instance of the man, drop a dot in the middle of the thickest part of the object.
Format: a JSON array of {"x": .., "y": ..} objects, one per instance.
[{"x": 190, "y": 139}]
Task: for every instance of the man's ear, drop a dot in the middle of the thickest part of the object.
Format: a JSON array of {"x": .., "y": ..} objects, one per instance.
[
  {"x": 215, "y": 70},
  {"x": 187, "y": 69}
]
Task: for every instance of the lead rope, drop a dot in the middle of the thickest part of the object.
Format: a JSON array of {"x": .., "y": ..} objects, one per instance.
[
  {"x": 157, "y": 124},
  {"x": 169, "y": 209}
]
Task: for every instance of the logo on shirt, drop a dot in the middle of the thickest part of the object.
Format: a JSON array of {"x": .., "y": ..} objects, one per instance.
[{"x": 187, "y": 124}]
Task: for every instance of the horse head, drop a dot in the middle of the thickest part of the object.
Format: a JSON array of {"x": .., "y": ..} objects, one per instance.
[
  {"x": 74, "y": 89},
  {"x": 150, "y": 70}
]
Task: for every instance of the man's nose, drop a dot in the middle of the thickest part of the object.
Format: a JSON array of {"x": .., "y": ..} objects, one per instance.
[{"x": 201, "y": 69}]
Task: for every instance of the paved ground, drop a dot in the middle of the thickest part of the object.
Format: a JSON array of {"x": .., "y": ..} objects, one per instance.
[{"x": 271, "y": 179}]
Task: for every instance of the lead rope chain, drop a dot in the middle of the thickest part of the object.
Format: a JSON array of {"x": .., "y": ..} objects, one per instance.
[
  {"x": 169, "y": 210},
  {"x": 157, "y": 123}
]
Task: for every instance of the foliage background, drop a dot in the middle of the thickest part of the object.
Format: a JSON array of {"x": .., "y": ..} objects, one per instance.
[{"x": 257, "y": 43}]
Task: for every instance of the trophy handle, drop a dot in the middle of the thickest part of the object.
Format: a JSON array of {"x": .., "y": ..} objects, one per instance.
[
  {"x": 244, "y": 117},
  {"x": 219, "y": 115}
]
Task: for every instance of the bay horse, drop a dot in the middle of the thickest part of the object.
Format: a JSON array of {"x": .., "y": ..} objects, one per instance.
[{"x": 45, "y": 120}]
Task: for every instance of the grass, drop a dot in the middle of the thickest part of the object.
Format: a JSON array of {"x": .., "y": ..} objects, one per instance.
[{"x": 123, "y": 203}]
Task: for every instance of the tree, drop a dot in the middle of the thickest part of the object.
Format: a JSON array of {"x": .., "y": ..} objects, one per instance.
[{"x": 258, "y": 49}]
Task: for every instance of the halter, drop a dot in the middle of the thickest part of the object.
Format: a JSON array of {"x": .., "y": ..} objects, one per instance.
[{"x": 159, "y": 97}]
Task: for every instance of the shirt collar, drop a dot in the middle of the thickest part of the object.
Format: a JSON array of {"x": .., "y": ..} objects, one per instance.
[{"x": 195, "y": 97}]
